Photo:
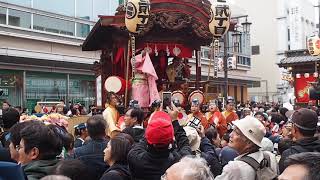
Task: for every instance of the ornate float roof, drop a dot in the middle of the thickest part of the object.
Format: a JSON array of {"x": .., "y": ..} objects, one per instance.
[{"x": 175, "y": 21}]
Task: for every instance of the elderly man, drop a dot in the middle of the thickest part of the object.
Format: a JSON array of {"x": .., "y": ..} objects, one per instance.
[
  {"x": 189, "y": 169},
  {"x": 246, "y": 139}
]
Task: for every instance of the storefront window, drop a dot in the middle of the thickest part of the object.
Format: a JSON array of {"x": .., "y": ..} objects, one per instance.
[
  {"x": 82, "y": 30},
  {"x": 26, "y": 3},
  {"x": 11, "y": 82},
  {"x": 82, "y": 90},
  {"x": 19, "y": 18},
  {"x": 84, "y": 9},
  {"x": 48, "y": 24},
  {"x": 3, "y": 15},
  {"x": 45, "y": 87},
  {"x": 65, "y": 7}
]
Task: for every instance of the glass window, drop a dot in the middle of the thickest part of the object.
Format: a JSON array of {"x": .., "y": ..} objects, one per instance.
[
  {"x": 48, "y": 24},
  {"x": 82, "y": 89},
  {"x": 19, "y": 18},
  {"x": 45, "y": 87},
  {"x": 84, "y": 9},
  {"x": 65, "y": 7},
  {"x": 82, "y": 30},
  {"x": 26, "y": 3},
  {"x": 11, "y": 82},
  {"x": 3, "y": 17}
]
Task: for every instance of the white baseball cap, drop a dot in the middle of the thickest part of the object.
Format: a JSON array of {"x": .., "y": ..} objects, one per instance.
[{"x": 251, "y": 128}]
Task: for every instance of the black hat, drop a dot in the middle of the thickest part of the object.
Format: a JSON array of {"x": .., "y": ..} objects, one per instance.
[{"x": 305, "y": 119}]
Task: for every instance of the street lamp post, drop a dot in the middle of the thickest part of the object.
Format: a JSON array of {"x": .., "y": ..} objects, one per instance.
[{"x": 236, "y": 41}]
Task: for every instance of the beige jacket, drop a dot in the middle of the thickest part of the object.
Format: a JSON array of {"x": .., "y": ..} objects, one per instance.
[{"x": 239, "y": 170}]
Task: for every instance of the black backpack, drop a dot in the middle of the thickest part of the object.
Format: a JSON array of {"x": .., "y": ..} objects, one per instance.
[{"x": 263, "y": 170}]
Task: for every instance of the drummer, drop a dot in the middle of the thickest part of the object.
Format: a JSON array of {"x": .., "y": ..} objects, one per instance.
[
  {"x": 216, "y": 119},
  {"x": 230, "y": 113},
  {"x": 195, "y": 112}
]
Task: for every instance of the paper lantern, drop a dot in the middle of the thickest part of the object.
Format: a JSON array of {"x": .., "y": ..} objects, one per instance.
[
  {"x": 306, "y": 75},
  {"x": 314, "y": 45},
  {"x": 298, "y": 76},
  {"x": 219, "y": 18},
  {"x": 137, "y": 15}
]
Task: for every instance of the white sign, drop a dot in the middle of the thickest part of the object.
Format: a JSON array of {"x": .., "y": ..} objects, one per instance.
[
  {"x": 98, "y": 91},
  {"x": 295, "y": 25}
]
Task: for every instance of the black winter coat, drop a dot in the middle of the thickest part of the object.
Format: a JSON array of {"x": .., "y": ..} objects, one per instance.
[
  {"x": 117, "y": 172},
  {"x": 311, "y": 144},
  {"x": 208, "y": 153},
  {"x": 149, "y": 164},
  {"x": 136, "y": 133}
]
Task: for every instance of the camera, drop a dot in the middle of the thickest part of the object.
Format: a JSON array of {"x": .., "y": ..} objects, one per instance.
[
  {"x": 134, "y": 104},
  {"x": 195, "y": 122}
]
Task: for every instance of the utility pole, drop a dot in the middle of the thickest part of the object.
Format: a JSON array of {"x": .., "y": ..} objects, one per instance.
[
  {"x": 318, "y": 17},
  {"x": 225, "y": 65}
]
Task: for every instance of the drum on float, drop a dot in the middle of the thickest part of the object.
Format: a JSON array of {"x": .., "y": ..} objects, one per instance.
[
  {"x": 197, "y": 94},
  {"x": 116, "y": 84},
  {"x": 179, "y": 96}
]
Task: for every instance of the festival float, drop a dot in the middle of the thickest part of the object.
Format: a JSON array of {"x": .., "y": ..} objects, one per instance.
[{"x": 146, "y": 47}]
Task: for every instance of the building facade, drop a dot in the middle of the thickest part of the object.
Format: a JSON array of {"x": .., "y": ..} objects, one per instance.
[
  {"x": 40, "y": 50},
  {"x": 279, "y": 25}
]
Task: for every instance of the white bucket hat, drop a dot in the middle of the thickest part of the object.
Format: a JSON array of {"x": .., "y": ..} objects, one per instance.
[
  {"x": 251, "y": 128},
  {"x": 193, "y": 137}
]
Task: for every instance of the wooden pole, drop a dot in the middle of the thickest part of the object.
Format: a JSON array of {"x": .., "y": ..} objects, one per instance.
[{"x": 127, "y": 74}]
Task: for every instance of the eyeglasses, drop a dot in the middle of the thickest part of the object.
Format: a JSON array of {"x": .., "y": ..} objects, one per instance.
[{"x": 17, "y": 147}]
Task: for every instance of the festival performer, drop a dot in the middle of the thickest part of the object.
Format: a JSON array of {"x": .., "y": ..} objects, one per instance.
[
  {"x": 229, "y": 114},
  {"x": 215, "y": 118},
  {"x": 144, "y": 87},
  {"x": 111, "y": 114},
  {"x": 195, "y": 112}
]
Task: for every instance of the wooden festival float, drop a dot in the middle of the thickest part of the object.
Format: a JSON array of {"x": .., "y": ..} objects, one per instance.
[{"x": 169, "y": 32}]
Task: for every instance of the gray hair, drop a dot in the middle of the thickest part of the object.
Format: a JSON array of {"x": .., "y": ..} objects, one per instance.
[{"x": 195, "y": 168}]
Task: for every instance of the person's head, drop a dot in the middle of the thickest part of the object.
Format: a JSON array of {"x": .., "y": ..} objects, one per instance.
[
  {"x": 195, "y": 106},
  {"x": 189, "y": 168},
  {"x": 112, "y": 99},
  {"x": 193, "y": 137},
  {"x": 117, "y": 149},
  {"x": 247, "y": 135},
  {"x": 159, "y": 122},
  {"x": 225, "y": 140},
  {"x": 246, "y": 112},
  {"x": 10, "y": 118},
  {"x": 133, "y": 116},
  {"x": 213, "y": 107},
  {"x": 212, "y": 134},
  {"x": 277, "y": 118},
  {"x": 230, "y": 106},
  {"x": 260, "y": 116},
  {"x": 38, "y": 142},
  {"x": 302, "y": 166},
  {"x": 15, "y": 138},
  {"x": 5, "y": 105},
  {"x": 60, "y": 108},
  {"x": 81, "y": 130},
  {"x": 304, "y": 123},
  {"x": 96, "y": 127},
  {"x": 62, "y": 102},
  {"x": 74, "y": 169}
]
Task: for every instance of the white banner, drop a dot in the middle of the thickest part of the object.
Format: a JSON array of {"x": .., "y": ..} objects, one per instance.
[
  {"x": 99, "y": 92},
  {"x": 295, "y": 25}
]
